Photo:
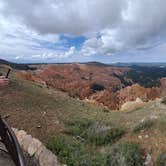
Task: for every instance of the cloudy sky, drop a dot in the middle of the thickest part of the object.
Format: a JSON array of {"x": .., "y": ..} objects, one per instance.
[{"x": 83, "y": 30}]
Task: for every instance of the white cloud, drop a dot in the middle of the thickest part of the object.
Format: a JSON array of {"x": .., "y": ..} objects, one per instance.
[
  {"x": 63, "y": 16},
  {"x": 20, "y": 43},
  {"x": 110, "y": 26}
]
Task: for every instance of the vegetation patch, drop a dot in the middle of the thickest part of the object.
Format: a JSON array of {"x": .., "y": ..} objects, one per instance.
[
  {"x": 161, "y": 125},
  {"x": 100, "y": 134},
  {"x": 97, "y": 87},
  {"x": 146, "y": 124},
  {"x": 161, "y": 159},
  {"x": 128, "y": 154},
  {"x": 75, "y": 153},
  {"x": 96, "y": 133},
  {"x": 164, "y": 100},
  {"x": 77, "y": 127}
]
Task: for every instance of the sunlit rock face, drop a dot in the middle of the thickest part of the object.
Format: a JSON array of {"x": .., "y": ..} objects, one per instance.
[{"x": 131, "y": 93}]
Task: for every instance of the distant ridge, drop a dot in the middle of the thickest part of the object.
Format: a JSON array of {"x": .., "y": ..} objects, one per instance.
[
  {"x": 95, "y": 63},
  {"x": 16, "y": 65}
]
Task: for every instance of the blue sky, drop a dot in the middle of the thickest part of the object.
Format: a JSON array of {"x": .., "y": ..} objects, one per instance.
[{"x": 108, "y": 31}]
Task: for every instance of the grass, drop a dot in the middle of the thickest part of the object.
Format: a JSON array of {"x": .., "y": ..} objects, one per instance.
[
  {"x": 95, "y": 132},
  {"x": 144, "y": 125},
  {"x": 75, "y": 153},
  {"x": 128, "y": 154},
  {"x": 164, "y": 100},
  {"x": 161, "y": 125},
  {"x": 161, "y": 159},
  {"x": 78, "y": 126},
  {"x": 99, "y": 134}
]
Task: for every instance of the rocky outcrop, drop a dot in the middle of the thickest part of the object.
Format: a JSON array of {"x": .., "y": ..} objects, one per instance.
[
  {"x": 106, "y": 98},
  {"x": 36, "y": 149},
  {"x": 126, "y": 96},
  {"x": 131, "y": 93},
  {"x": 132, "y": 105}
]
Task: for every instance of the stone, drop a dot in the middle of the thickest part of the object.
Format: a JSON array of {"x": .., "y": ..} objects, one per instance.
[
  {"x": 26, "y": 142},
  {"x": 6, "y": 116},
  {"x": 57, "y": 122},
  {"x": 20, "y": 136},
  {"x": 47, "y": 158},
  {"x": 39, "y": 151},
  {"x": 38, "y": 127},
  {"x": 36, "y": 149},
  {"x": 34, "y": 146},
  {"x": 154, "y": 117},
  {"x": 132, "y": 105},
  {"x": 148, "y": 159}
]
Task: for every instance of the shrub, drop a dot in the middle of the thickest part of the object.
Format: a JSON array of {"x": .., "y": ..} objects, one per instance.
[
  {"x": 143, "y": 125},
  {"x": 78, "y": 126},
  {"x": 95, "y": 132},
  {"x": 128, "y": 154},
  {"x": 75, "y": 153},
  {"x": 161, "y": 159},
  {"x": 161, "y": 125},
  {"x": 163, "y": 100},
  {"x": 100, "y": 134},
  {"x": 97, "y": 87}
]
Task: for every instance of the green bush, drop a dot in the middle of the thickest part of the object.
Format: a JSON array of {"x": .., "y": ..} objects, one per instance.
[
  {"x": 143, "y": 125},
  {"x": 100, "y": 134},
  {"x": 95, "y": 132},
  {"x": 76, "y": 127},
  {"x": 164, "y": 100},
  {"x": 125, "y": 154},
  {"x": 75, "y": 153},
  {"x": 161, "y": 125},
  {"x": 161, "y": 159}
]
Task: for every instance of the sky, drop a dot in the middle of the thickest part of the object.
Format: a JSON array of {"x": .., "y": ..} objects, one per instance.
[{"x": 107, "y": 31}]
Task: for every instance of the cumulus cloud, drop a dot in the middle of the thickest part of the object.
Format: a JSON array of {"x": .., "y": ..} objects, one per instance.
[
  {"x": 110, "y": 26},
  {"x": 64, "y": 16},
  {"x": 18, "y": 43}
]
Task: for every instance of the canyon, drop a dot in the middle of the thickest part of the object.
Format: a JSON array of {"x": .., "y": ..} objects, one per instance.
[{"x": 104, "y": 85}]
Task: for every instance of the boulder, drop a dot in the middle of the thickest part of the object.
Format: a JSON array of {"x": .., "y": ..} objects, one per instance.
[
  {"x": 34, "y": 146},
  {"x": 132, "y": 105},
  {"x": 48, "y": 158}
]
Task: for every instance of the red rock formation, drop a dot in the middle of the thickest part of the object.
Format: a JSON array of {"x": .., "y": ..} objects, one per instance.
[
  {"x": 31, "y": 77},
  {"x": 78, "y": 79},
  {"x": 131, "y": 93},
  {"x": 106, "y": 98}
]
